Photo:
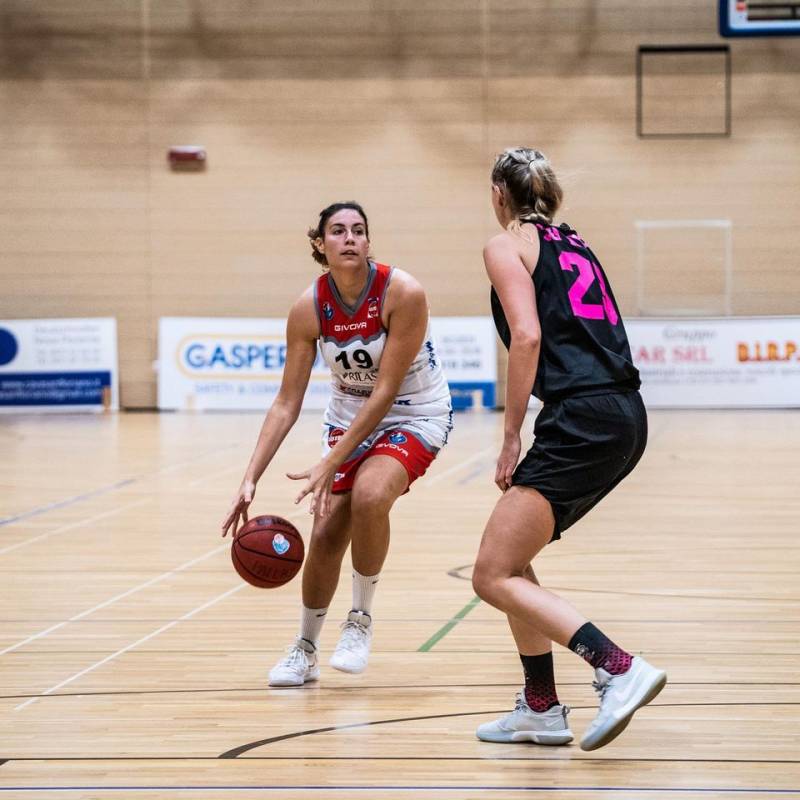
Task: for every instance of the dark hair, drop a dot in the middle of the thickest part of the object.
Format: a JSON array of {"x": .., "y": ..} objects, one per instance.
[
  {"x": 324, "y": 216},
  {"x": 530, "y": 183}
]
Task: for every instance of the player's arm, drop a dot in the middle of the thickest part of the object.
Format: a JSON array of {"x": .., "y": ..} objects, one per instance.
[
  {"x": 302, "y": 330},
  {"x": 514, "y": 287},
  {"x": 407, "y": 323}
]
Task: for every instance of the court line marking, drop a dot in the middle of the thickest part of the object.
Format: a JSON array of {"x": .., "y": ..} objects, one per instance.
[
  {"x": 72, "y": 525},
  {"x": 450, "y": 470},
  {"x": 448, "y": 626},
  {"x": 69, "y": 501},
  {"x": 182, "y": 618},
  {"x": 129, "y": 592},
  {"x": 455, "y": 789},
  {"x": 235, "y": 752},
  {"x": 389, "y": 687},
  {"x": 113, "y": 487},
  {"x": 456, "y": 573},
  {"x": 568, "y": 759},
  {"x": 150, "y": 636},
  {"x": 113, "y": 600}
]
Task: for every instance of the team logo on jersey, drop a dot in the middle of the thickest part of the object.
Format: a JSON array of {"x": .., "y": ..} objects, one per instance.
[
  {"x": 279, "y": 544},
  {"x": 372, "y": 308},
  {"x": 397, "y": 438},
  {"x": 334, "y": 434},
  {"x": 327, "y": 310}
]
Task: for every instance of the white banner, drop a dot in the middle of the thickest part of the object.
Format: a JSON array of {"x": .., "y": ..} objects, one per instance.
[
  {"x": 721, "y": 362},
  {"x": 210, "y": 363},
  {"x": 215, "y": 363},
  {"x": 467, "y": 347},
  {"x": 58, "y": 364}
]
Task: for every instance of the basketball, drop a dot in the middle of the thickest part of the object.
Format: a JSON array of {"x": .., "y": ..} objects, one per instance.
[{"x": 268, "y": 551}]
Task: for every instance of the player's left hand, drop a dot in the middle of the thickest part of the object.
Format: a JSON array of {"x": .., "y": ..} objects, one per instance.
[
  {"x": 319, "y": 482},
  {"x": 507, "y": 462}
]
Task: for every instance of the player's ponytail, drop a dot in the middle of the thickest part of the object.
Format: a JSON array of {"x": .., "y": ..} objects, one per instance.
[{"x": 530, "y": 185}]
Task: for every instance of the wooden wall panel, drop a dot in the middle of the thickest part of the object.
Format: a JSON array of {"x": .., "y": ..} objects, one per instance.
[{"x": 400, "y": 105}]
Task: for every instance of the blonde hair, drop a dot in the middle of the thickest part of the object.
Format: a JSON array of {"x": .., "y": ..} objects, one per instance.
[{"x": 530, "y": 184}]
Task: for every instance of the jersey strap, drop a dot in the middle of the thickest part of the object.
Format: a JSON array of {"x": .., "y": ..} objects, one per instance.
[{"x": 341, "y": 323}]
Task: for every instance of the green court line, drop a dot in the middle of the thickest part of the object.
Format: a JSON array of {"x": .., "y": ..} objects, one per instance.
[{"x": 445, "y": 629}]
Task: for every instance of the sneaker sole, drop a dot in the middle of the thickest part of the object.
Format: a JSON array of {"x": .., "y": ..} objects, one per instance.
[
  {"x": 625, "y": 714},
  {"x": 529, "y": 737},
  {"x": 286, "y": 683},
  {"x": 345, "y": 668}
]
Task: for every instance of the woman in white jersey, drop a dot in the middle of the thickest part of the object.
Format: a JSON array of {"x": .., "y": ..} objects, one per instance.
[{"x": 389, "y": 415}]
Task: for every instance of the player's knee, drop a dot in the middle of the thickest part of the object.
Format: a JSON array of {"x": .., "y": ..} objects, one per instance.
[
  {"x": 369, "y": 500},
  {"x": 484, "y": 579}
]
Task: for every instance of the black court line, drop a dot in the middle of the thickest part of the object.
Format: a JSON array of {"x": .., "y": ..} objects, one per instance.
[
  {"x": 455, "y": 789},
  {"x": 456, "y": 573},
  {"x": 361, "y": 688},
  {"x": 237, "y": 751},
  {"x": 568, "y": 757},
  {"x": 149, "y": 651}
]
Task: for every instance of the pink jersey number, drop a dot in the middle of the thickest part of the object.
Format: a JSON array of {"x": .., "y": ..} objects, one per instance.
[{"x": 586, "y": 276}]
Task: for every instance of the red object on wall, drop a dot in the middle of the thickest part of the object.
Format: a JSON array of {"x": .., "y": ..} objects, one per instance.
[{"x": 187, "y": 157}]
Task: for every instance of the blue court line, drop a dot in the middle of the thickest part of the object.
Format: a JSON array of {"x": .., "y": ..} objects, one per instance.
[
  {"x": 332, "y": 788},
  {"x": 68, "y": 502},
  {"x": 474, "y": 474}
]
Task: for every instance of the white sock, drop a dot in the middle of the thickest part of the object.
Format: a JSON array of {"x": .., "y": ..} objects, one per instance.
[
  {"x": 363, "y": 591},
  {"x": 311, "y": 622}
]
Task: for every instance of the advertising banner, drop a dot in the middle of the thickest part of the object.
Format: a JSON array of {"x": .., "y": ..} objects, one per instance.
[
  {"x": 58, "y": 365},
  {"x": 214, "y": 363},
  {"x": 718, "y": 362},
  {"x": 467, "y": 347}
]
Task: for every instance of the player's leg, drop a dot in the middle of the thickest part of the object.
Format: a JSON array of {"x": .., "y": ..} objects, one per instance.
[
  {"x": 536, "y": 654},
  {"x": 521, "y": 525},
  {"x": 330, "y": 537},
  {"x": 380, "y": 480}
]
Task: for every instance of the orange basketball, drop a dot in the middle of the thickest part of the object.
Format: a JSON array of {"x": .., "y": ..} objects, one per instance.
[{"x": 268, "y": 551}]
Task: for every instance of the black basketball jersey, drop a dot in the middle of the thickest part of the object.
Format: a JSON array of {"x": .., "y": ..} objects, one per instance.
[{"x": 583, "y": 343}]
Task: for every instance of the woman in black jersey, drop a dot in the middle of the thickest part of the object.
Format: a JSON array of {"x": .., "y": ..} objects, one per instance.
[{"x": 556, "y": 314}]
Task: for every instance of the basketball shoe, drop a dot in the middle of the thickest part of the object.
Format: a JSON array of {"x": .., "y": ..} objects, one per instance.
[
  {"x": 620, "y": 696},
  {"x": 525, "y": 725},
  {"x": 352, "y": 652},
  {"x": 300, "y": 665}
]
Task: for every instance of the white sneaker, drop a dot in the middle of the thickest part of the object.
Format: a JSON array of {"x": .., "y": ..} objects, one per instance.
[
  {"x": 620, "y": 696},
  {"x": 300, "y": 665},
  {"x": 525, "y": 725},
  {"x": 352, "y": 652}
]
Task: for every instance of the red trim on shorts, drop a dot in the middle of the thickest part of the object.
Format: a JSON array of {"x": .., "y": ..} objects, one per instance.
[{"x": 397, "y": 443}]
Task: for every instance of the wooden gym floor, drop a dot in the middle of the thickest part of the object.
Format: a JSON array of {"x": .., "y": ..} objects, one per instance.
[{"x": 133, "y": 660}]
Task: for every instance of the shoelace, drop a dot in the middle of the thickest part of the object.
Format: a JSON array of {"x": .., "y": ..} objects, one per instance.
[
  {"x": 521, "y": 704},
  {"x": 353, "y": 636},
  {"x": 601, "y": 689},
  {"x": 295, "y": 657}
]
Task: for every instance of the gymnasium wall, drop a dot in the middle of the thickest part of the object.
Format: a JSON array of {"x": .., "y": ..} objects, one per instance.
[{"x": 399, "y": 105}]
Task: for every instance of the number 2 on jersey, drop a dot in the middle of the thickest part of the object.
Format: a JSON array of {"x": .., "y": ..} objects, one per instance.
[{"x": 587, "y": 271}]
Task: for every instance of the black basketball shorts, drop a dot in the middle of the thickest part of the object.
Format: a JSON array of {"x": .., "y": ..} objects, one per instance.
[{"x": 583, "y": 447}]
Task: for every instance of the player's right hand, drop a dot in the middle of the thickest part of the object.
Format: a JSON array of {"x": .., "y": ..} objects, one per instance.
[{"x": 238, "y": 509}]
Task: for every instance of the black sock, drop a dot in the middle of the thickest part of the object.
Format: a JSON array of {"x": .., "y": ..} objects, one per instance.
[
  {"x": 540, "y": 685},
  {"x": 594, "y": 646}
]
